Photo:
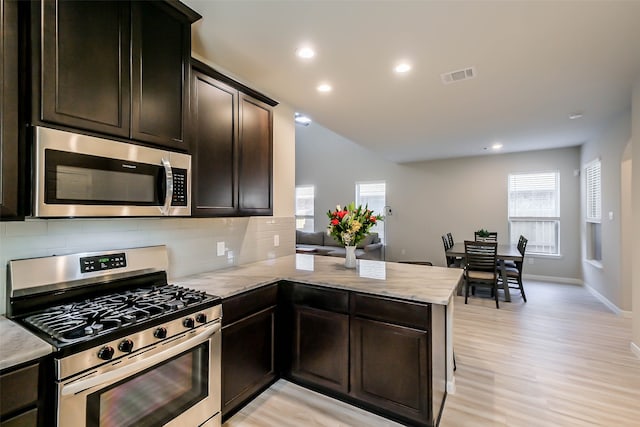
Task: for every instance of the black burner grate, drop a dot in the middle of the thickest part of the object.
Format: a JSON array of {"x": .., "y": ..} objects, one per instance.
[{"x": 79, "y": 321}]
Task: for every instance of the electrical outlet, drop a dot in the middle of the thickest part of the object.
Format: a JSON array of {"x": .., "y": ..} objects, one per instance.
[
  {"x": 402, "y": 251},
  {"x": 276, "y": 240},
  {"x": 220, "y": 248}
]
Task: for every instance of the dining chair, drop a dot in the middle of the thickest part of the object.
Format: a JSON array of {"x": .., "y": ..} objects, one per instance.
[
  {"x": 452, "y": 261},
  {"x": 493, "y": 237},
  {"x": 450, "y": 239},
  {"x": 514, "y": 274},
  {"x": 480, "y": 267},
  {"x": 510, "y": 263}
]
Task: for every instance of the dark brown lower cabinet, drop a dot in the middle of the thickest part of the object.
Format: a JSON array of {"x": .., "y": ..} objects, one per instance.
[
  {"x": 19, "y": 397},
  {"x": 390, "y": 367},
  {"x": 248, "y": 347},
  {"x": 321, "y": 348},
  {"x": 381, "y": 354}
]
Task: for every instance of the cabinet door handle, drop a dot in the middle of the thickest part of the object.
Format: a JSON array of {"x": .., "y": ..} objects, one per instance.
[{"x": 168, "y": 196}]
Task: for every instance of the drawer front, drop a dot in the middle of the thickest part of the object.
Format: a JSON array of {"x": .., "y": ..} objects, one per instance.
[
  {"x": 320, "y": 298},
  {"x": 28, "y": 419},
  {"x": 18, "y": 389},
  {"x": 239, "y": 306},
  {"x": 403, "y": 313}
]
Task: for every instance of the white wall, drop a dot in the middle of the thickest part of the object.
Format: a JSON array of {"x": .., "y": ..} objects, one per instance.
[
  {"x": 635, "y": 188},
  {"x": 606, "y": 279},
  {"x": 432, "y": 198}
]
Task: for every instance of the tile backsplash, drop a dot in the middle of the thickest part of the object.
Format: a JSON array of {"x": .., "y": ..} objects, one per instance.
[{"x": 192, "y": 242}]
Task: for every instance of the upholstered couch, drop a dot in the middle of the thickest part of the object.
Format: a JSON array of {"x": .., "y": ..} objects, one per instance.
[{"x": 321, "y": 243}]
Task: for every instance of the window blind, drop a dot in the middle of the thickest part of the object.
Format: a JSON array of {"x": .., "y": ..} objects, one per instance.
[
  {"x": 534, "y": 195},
  {"x": 534, "y": 210},
  {"x": 594, "y": 191}
]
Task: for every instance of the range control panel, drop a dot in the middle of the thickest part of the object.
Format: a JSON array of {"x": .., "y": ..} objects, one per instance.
[{"x": 102, "y": 262}]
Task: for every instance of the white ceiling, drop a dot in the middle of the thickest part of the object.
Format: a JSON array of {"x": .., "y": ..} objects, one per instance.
[{"x": 536, "y": 62}]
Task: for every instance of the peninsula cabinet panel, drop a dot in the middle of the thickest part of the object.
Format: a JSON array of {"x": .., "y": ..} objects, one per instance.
[
  {"x": 214, "y": 145},
  {"x": 255, "y": 157},
  {"x": 10, "y": 195},
  {"x": 390, "y": 368},
  {"x": 85, "y": 64}
]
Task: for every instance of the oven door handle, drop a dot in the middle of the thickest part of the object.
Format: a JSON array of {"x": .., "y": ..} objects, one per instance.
[{"x": 140, "y": 365}]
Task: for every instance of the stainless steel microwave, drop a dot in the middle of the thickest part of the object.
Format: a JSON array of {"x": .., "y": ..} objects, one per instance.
[{"x": 84, "y": 176}]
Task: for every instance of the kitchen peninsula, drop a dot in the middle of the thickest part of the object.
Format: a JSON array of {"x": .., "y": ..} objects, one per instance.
[{"x": 378, "y": 336}]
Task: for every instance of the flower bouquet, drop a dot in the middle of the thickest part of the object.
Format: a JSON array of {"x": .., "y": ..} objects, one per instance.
[{"x": 350, "y": 225}]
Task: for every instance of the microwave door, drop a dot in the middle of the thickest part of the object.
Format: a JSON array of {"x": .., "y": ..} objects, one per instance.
[{"x": 84, "y": 176}]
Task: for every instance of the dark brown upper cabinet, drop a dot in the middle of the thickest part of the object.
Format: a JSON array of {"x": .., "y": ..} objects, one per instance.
[
  {"x": 232, "y": 146},
  {"x": 113, "y": 68},
  {"x": 214, "y": 147},
  {"x": 255, "y": 160},
  {"x": 10, "y": 179}
]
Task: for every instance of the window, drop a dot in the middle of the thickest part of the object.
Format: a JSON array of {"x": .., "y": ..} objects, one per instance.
[
  {"x": 304, "y": 207},
  {"x": 593, "y": 210},
  {"x": 534, "y": 211},
  {"x": 373, "y": 194}
]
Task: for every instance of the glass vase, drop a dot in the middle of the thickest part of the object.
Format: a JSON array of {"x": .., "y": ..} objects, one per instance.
[{"x": 350, "y": 257}]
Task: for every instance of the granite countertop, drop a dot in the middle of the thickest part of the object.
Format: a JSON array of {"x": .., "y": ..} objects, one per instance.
[
  {"x": 17, "y": 345},
  {"x": 410, "y": 282}
]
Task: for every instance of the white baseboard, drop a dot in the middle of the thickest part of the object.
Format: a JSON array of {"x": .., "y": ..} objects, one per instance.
[
  {"x": 568, "y": 280},
  {"x": 611, "y": 306},
  {"x": 451, "y": 385},
  {"x": 635, "y": 349}
]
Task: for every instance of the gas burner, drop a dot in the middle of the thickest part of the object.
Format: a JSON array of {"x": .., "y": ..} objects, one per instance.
[{"x": 80, "y": 321}]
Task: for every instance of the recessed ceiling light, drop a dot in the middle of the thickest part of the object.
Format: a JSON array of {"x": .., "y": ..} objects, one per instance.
[
  {"x": 324, "y": 87},
  {"x": 302, "y": 119},
  {"x": 402, "y": 67},
  {"x": 496, "y": 146},
  {"x": 305, "y": 52},
  {"x": 574, "y": 116}
]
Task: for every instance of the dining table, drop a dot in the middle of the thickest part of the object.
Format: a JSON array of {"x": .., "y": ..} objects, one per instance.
[{"x": 505, "y": 252}]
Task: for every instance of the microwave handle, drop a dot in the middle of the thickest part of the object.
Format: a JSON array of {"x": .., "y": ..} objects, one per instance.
[
  {"x": 168, "y": 196},
  {"x": 127, "y": 370}
]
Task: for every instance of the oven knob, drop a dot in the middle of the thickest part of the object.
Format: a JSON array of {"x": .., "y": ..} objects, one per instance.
[
  {"x": 126, "y": 346},
  {"x": 188, "y": 322},
  {"x": 201, "y": 318},
  {"x": 106, "y": 353},
  {"x": 160, "y": 333}
]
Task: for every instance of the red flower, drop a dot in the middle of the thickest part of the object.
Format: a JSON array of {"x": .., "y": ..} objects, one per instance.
[
  {"x": 372, "y": 218},
  {"x": 341, "y": 214},
  {"x": 335, "y": 222}
]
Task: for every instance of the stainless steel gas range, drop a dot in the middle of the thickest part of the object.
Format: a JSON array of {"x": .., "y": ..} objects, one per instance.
[{"x": 130, "y": 349}]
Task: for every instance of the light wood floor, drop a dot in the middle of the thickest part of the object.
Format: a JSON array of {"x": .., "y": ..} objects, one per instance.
[{"x": 561, "y": 359}]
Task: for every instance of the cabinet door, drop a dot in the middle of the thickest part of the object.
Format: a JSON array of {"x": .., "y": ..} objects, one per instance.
[
  {"x": 85, "y": 65},
  {"x": 321, "y": 348},
  {"x": 247, "y": 358},
  {"x": 390, "y": 368},
  {"x": 255, "y": 165},
  {"x": 213, "y": 146},
  {"x": 9, "y": 190},
  {"x": 160, "y": 57}
]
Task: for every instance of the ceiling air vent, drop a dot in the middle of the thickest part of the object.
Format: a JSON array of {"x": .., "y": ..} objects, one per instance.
[{"x": 458, "y": 75}]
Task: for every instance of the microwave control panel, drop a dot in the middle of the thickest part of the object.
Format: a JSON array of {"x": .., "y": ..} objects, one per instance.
[
  {"x": 179, "y": 187},
  {"x": 91, "y": 264}
]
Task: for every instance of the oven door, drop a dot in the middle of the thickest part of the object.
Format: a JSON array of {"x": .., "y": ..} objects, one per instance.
[
  {"x": 80, "y": 176},
  {"x": 175, "y": 383}
]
